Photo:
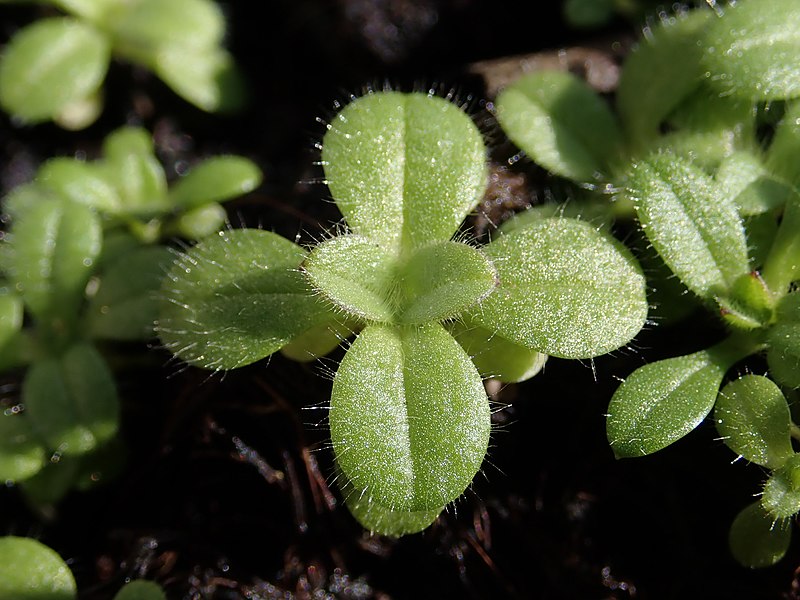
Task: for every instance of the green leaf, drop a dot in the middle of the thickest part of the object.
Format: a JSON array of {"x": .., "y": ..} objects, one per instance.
[
  {"x": 561, "y": 123},
  {"x": 24, "y": 197},
  {"x": 126, "y": 304},
  {"x": 235, "y": 298},
  {"x": 357, "y": 275},
  {"x": 696, "y": 229},
  {"x": 409, "y": 417},
  {"x": 588, "y": 13},
  {"x": 661, "y": 402},
  {"x": 91, "y": 10},
  {"x": 49, "y": 486},
  {"x": 10, "y": 316},
  {"x": 495, "y": 356},
  {"x": 783, "y": 342},
  {"x": 208, "y": 78},
  {"x": 132, "y": 168},
  {"x": 744, "y": 178},
  {"x": 32, "y": 571},
  {"x": 753, "y": 418},
  {"x": 565, "y": 290},
  {"x": 782, "y": 265},
  {"x": 379, "y": 519},
  {"x": 750, "y": 304},
  {"x": 753, "y": 52},
  {"x": 78, "y": 182},
  {"x": 50, "y": 64},
  {"x": 756, "y": 539},
  {"x": 781, "y": 497},
  {"x": 440, "y": 281},
  {"x": 201, "y": 222},
  {"x": 659, "y": 74},
  {"x": 215, "y": 180},
  {"x": 404, "y": 168},
  {"x": 785, "y": 148},
  {"x": 72, "y": 401},
  {"x": 22, "y": 453},
  {"x": 320, "y": 340},
  {"x": 54, "y": 247},
  {"x": 141, "y": 590}
]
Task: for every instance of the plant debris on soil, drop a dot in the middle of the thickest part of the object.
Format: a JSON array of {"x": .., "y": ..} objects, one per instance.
[{"x": 227, "y": 493}]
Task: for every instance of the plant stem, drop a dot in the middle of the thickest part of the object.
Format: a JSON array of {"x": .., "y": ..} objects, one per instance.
[{"x": 794, "y": 431}]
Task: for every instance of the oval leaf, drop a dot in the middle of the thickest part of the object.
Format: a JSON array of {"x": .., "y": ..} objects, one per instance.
[
  {"x": 442, "y": 280},
  {"x": 22, "y": 453},
  {"x": 235, "y": 298},
  {"x": 32, "y": 571},
  {"x": 561, "y": 123},
  {"x": 754, "y": 52},
  {"x": 409, "y": 417},
  {"x": 404, "y": 168},
  {"x": 214, "y": 180},
  {"x": 696, "y": 229},
  {"x": 565, "y": 289},
  {"x": 72, "y": 401},
  {"x": 141, "y": 590},
  {"x": 78, "y": 182},
  {"x": 49, "y": 65},
  {"x": 753, "y": 418},
  {"x": 661, "y": 402},
  {"x": 783, "y": 342},
  {"x": 781, "y": 497},
  {"x": 54, "y": 247},
  {"x": 756, "y": 539}
]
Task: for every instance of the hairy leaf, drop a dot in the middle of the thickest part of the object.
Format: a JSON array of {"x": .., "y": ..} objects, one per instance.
[
  {"x": 404, "y": 168},
  {"x": 661, "y": 402},
  {"x": 235, "y": 298},
  {"x": 565, "y": 289},
  {"x": 753, "y": 418},
  {"x": 753, "y": 52},
  {"x": 783, "y": 342},
  {"x": 696, "y": 229},
  {"x": 71, "y": 400},
  {"x": 409, "y": 417},
  {"x": 756, "y": 539},
  {"x": 32, "y": 571},
  {"x": 781, "y": 497},
  {"x": 561, "y": 123},
  {"x": 49, "y": 65}
]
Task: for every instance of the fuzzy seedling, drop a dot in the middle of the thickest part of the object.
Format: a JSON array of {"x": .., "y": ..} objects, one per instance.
[{"x": 409, "y": 416}]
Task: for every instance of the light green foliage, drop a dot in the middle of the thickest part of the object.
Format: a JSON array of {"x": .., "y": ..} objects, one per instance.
[
  {"x": 409, "y": 417},
  {"x": 661, "y": 402},
  {"x": 695, "y": 228},
  {"x": 781, "y": 497},
  {"x": 561, "y": 123},
  {"x": 783, "y": 355},
  {"x": 50, "y": 65},
  {"x": 749, "y": 304},
  {"x": 752, "y": 417},
  {"x": 215, "y": 179},
  {"x": 757, "y": 539},
  {"x": 29, "y": 570},
  {"x": 565, "y": 290},
  {"x": 53, "y": 69},
  {"x": 432, "y": 167},
  {"x": 745, "y": 179},
  {"x": 782, "y": 157},
  {"x": 753, "y": 50},
  {"x": 657, "y": 76},
  {"x": 236, "y": 298},
  {"x": 71, "y": 400},
  {"x": 10, "y": 316}
]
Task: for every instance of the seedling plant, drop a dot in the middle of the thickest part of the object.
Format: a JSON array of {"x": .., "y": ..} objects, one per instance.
[
  {"x": 706, "y": 159},
  {"x": 432, "y": 313}
]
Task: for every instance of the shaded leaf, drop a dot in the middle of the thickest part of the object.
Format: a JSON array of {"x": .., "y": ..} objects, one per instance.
[
  {"x": 409, "y": 417},
  {"x": 141, "y": 590},
  {"x": 785, "y": 147},
  {"x": 696, "y": 229},
  {"x": 235, "y": 298},
  {"x": 32, "y": 571},
  {"x": 783, "y": 342},
  {"x": 22, "y": 453},
  {"x": 561, "y": 123},
  {"x": 565, "y": 290},
  {"x": 753, "y": 419},
  {"x": 756, "y": 539},
  {"x": 50, "y": 64},
  {"x": 404, "y": 168}
]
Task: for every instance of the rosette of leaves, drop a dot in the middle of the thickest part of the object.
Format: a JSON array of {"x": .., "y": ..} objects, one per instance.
[
  {"x": 54, "y": 68},
  {"x": 79, "y": 268},
  {"x": 409, "y": 417},
  {"x": 29, "y": 570},
  {"x": 720, "y": 209}
]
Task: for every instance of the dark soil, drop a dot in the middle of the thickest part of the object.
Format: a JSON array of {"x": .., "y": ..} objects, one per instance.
[{"x": 225, "y": 493}]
